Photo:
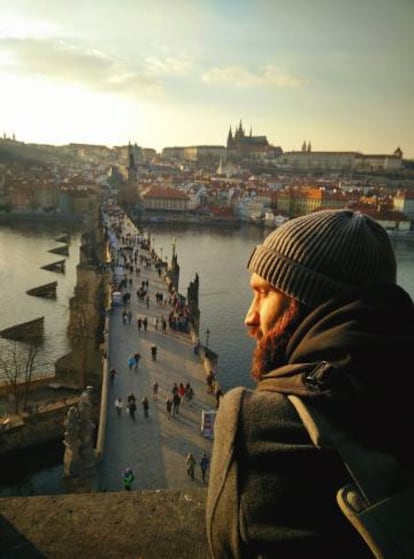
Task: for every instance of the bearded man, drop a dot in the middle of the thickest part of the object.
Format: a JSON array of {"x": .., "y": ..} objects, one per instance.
[{"x": 334, "y": 328}]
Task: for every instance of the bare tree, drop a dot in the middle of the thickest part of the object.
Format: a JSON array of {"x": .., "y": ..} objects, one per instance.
[{"x": 17, "y": 361}]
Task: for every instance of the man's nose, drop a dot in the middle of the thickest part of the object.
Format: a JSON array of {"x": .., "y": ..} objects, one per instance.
[{"x": 252, "y": 316}]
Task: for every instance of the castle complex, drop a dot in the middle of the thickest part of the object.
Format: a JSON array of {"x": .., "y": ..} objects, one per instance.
[{"x": 240, "y": 145}]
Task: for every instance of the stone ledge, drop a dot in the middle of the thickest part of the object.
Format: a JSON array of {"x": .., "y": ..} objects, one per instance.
[{"x": 135, "y": 525}]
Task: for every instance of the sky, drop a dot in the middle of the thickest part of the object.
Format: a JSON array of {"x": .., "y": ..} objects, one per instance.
[{"x": 162, "y": 73}]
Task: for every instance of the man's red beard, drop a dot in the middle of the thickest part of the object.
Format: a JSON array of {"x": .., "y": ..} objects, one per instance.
[{"x": 270, "y": 351}]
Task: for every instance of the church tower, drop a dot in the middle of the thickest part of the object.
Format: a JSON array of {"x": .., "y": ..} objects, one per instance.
[
  {"x": 230, "y": 139},
  {"x": 128, "y": 191},
  {"x": 132, "y": 168}
]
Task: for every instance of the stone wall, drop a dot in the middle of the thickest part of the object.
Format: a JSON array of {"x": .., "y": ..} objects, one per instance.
[{"x": 129, "y": 525}]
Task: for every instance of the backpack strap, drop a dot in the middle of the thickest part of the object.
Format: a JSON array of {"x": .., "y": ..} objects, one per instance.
[{"x": 380, "y": 502}]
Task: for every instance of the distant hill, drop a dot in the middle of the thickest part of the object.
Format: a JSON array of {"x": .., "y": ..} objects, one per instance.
[{"x": 18, "y": 151}]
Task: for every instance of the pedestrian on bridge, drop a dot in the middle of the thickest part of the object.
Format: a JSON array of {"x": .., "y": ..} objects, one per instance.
[
  {"x": 204, "y": 462},
  {"x": 145, "y": 405},
  {"x": 127, "y": 478},
  {"x": 137, "y": 357},
  {"x": 190, "y": 463},
  {"x": 176, "y": 403},
  {"x": 132, "y": 408},
  {"x": 168, "y": 405},
  {"x": 119, "y": 405}
]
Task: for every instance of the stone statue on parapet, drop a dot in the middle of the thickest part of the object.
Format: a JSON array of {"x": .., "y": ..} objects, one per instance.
[
  {"x": 79, "y": 458},
  {"x": 192, "y": 292}
]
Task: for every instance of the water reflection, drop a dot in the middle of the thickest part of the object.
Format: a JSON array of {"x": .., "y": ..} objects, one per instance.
[{"x": 24, "y": 249}]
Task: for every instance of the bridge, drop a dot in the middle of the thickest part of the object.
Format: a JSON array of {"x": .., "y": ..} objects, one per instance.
[
  {"x": 163, "y": 515},
  {"x": 154, "y": 447}
]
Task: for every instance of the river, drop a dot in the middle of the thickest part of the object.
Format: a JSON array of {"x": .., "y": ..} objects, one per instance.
[
  {"x": 24, "y": 249},
  {"x": 219, "y": 256}
]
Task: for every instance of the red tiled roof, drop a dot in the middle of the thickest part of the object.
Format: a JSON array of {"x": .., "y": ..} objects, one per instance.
[{"x": 163, "y": 192}]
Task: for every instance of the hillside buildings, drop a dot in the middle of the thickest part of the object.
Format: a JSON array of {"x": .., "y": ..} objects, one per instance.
[{"x": 248, "y": 179}]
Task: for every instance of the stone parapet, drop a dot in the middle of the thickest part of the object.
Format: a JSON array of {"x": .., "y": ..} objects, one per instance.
[{"x": 131, "y": 525}]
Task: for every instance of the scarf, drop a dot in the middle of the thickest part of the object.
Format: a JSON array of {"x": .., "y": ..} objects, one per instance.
[{"x": 352, "y": 356}]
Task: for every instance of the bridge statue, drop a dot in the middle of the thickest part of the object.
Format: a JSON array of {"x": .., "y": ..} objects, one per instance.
[{"x": 79, "y": 458}]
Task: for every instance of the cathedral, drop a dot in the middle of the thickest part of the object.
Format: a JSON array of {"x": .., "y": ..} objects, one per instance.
[{"x": 240, "y": 145}]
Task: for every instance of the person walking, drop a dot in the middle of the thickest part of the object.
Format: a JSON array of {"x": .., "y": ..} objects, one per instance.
[
  {"x": 128, "y": 478},
  {"x": 189, "y": 392},
  {"x": 154, "y": 352},
  {"x": 331, "y": 326},
  {"x": 119, "y": 404},
  {"x": 181, "y": 391},
  {"x": 155, "y": 387},
  {"x": 112, "y": 375},
  {"x": 132, "y": 408},
  {"x": 190, "y": 463},
  {"x": 145, "y": 405},
  {"x": 168, "y": 407},
  {"x": 204, "y": 462},
  {"x": 137, "y": 357},
  {"x": 176, "y": 403}
]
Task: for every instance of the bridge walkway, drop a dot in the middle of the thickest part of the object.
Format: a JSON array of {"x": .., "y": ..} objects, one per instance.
[{"x": 154, "y": 447}]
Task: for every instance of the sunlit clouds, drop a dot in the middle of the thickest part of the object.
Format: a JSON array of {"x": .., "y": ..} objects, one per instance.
[
  {"x": 179, "y": 72},
  {"x": 61, "y": 62},
  {"x": 239, "y": 76}
]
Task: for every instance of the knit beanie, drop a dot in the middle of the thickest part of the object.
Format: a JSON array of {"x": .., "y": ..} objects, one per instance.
[{"x": 325, "y": 254}]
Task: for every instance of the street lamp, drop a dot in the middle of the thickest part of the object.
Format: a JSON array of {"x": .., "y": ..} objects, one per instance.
[{"x": 207, "y": 337}]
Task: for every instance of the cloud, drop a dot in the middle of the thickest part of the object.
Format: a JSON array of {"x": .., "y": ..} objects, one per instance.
[
  {"x": 62, "y": 62},
  {"x": 240, "y": 76},
  {"x": 169, "y": 65}
]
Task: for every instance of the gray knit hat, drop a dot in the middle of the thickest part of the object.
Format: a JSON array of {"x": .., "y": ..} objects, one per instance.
[{"x": 327, "y": 253}]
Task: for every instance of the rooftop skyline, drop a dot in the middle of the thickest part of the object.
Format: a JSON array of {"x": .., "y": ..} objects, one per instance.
[{"x": 180, "y": 72}]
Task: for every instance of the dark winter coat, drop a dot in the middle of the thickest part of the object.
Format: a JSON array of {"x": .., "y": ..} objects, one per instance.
[{"x": 271, "y": 492}]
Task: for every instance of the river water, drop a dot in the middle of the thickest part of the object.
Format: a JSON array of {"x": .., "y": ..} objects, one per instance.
[
  {"x": 23, "y": 251},
  {"x": 219, "y": 256}
]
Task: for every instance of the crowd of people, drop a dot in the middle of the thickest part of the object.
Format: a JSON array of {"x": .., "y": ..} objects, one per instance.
[{"x": 151, "y": 321}]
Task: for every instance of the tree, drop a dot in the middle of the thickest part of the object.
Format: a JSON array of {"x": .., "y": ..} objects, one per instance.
[{"x": 17, "y": 362}]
